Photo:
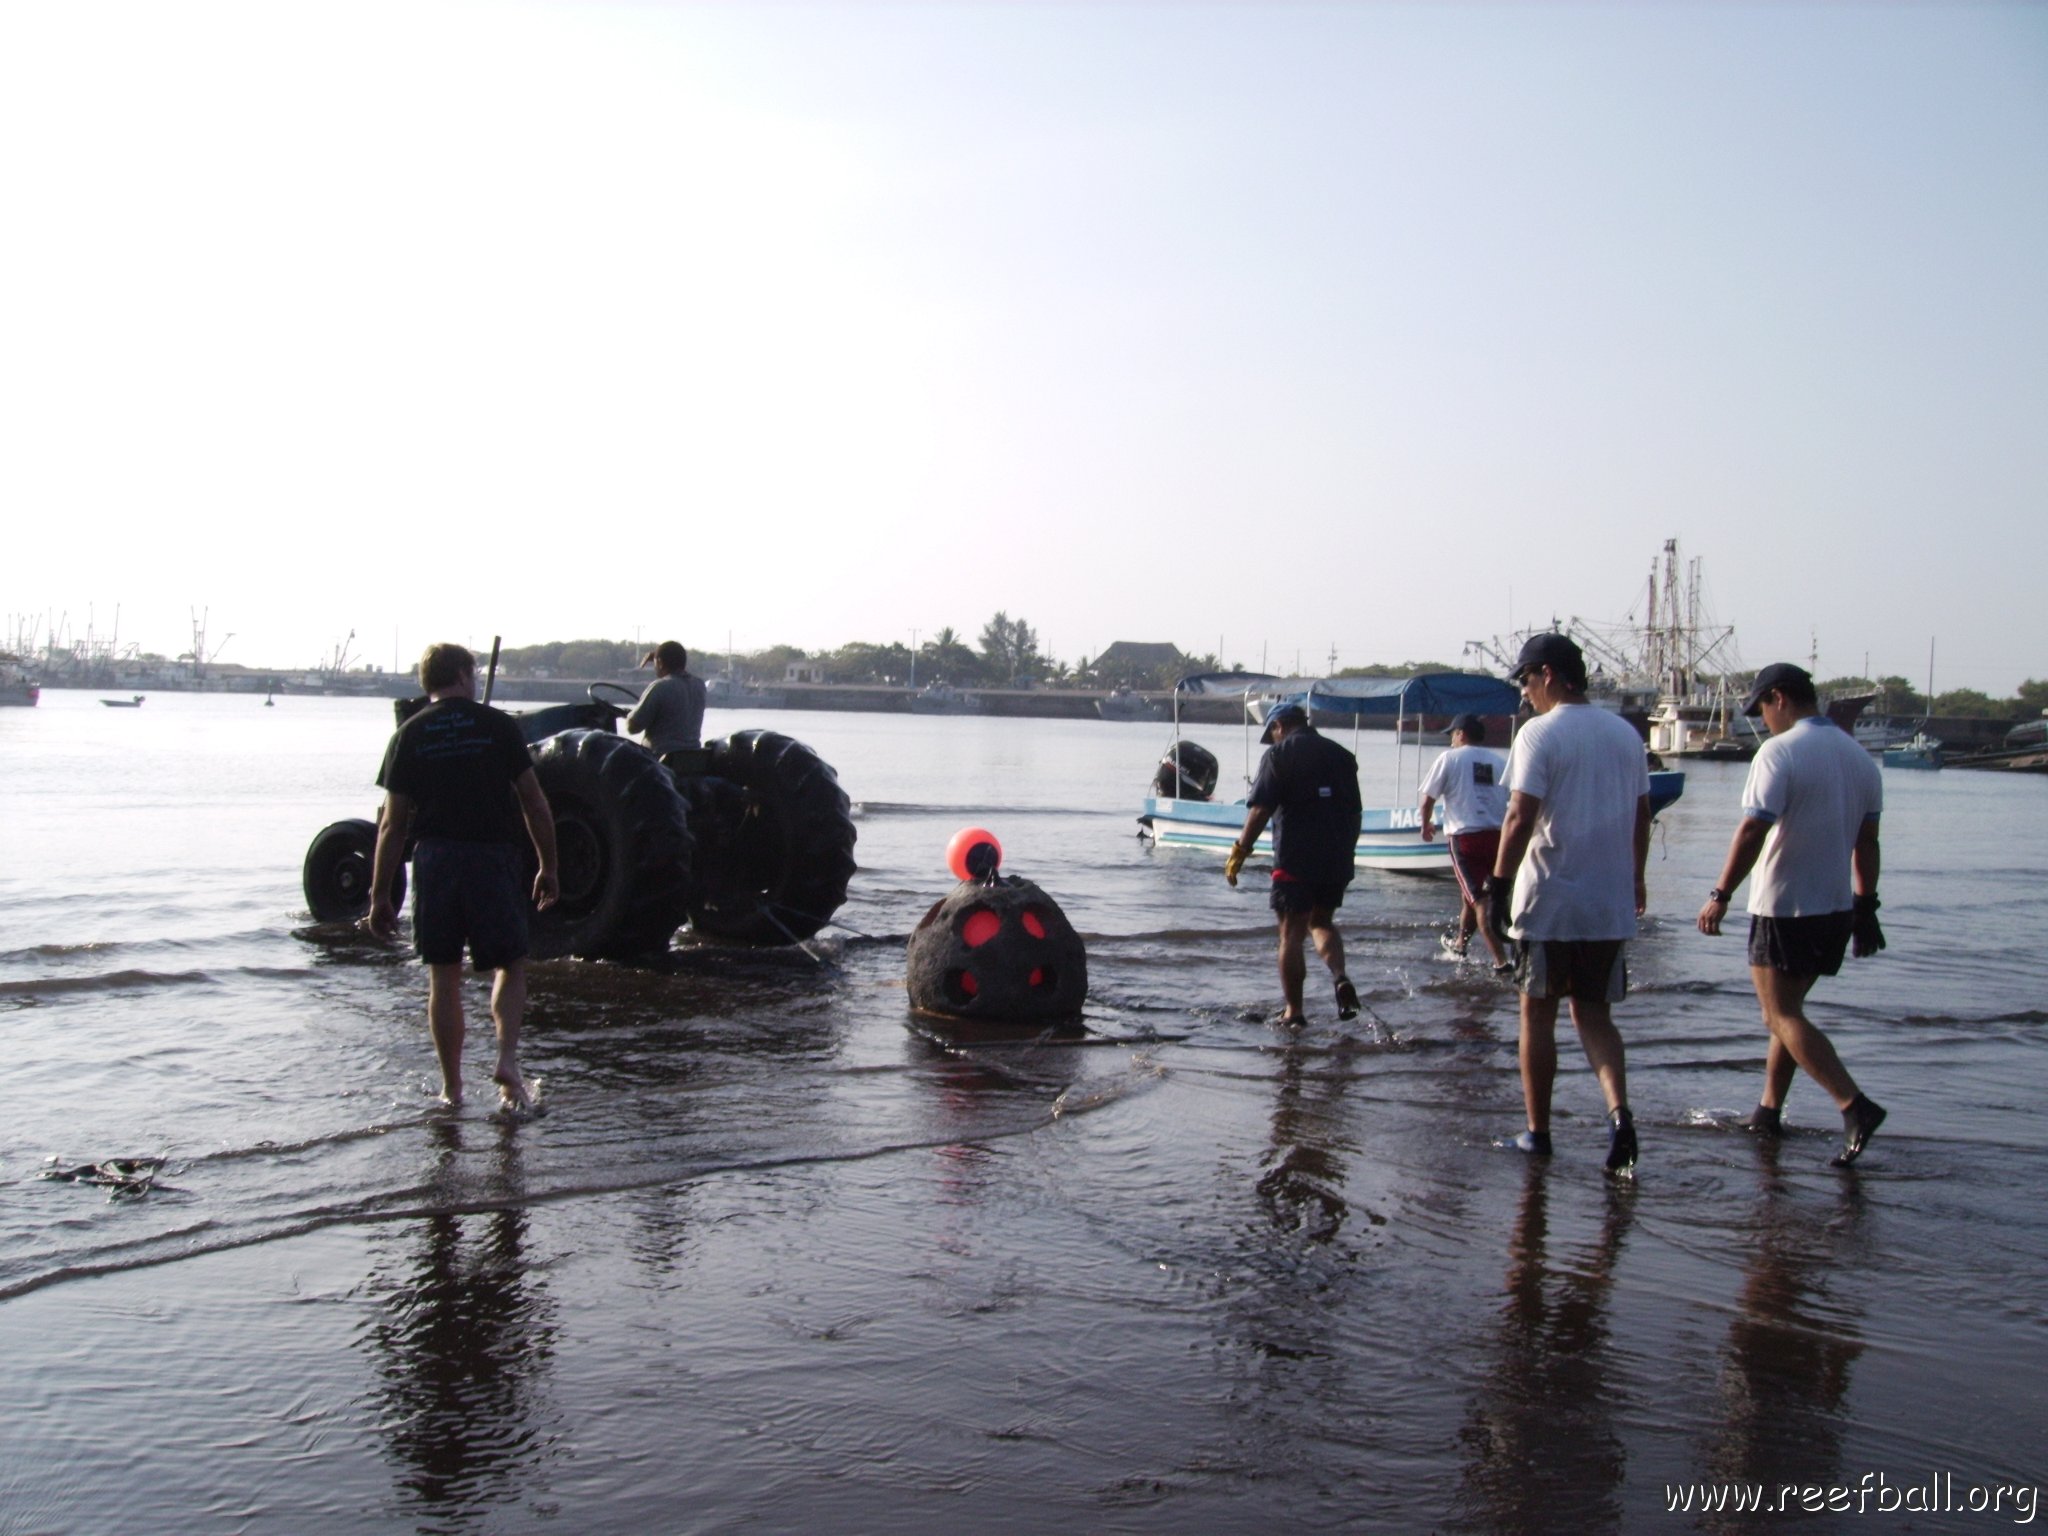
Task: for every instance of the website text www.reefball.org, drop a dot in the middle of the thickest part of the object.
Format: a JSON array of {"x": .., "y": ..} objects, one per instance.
[{"x": 1875, "y": 1494}]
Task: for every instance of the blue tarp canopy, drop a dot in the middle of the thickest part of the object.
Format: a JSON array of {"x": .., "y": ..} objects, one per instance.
[
  {"x": 1429, "y": 693},
  {"x": 1235, "y": 684}
]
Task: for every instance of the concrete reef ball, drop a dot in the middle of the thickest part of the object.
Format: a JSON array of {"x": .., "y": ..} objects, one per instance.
[{"x": 1000, "y": 951}]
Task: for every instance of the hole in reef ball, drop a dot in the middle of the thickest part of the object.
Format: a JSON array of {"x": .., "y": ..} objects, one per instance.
[{"x": 973, "y": 854}]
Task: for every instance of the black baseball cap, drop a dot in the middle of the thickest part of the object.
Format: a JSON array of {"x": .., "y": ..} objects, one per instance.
[
  {"x": 1549, "y": 649},
  {"x": 1286, "y": 714},
  {"x": 1473, "y": 727},
  {"x": 1778, "y": 674}
]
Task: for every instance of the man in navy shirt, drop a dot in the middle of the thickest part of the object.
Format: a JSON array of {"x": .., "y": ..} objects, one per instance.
[
  {"x": 457, "y": 777},
  {"x": 1307, "y": 786}
]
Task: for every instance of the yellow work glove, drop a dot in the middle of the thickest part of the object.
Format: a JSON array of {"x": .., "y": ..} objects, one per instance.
[{"x": 1233, "y": 862}]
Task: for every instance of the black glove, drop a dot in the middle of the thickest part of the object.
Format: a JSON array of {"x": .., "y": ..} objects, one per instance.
[
  {"x": 1500, "y": 898},
  {"x": 1865, "y": 937}
]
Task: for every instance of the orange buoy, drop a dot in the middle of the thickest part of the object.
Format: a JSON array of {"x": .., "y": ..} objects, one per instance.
[{"x": 974, "y": 854}]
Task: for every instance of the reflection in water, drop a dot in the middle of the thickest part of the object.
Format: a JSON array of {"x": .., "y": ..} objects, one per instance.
[
  {"x": 1540, "y": 1443},
  {"x": 466, "y": 1339},
  {"x": 1302, "y": 1188},
  {"x": 1786, "y": 1369}
]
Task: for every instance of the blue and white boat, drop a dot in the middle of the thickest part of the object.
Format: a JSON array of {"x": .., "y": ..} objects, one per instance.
[
  {"x": 1922, "y": 751},
  {"x": 1390, "y": 837}
]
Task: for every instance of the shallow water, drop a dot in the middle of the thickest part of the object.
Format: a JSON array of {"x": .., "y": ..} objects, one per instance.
[{"x": 778, "y": 1257}]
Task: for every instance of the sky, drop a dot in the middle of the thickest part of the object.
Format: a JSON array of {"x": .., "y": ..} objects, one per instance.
[{"x": 1270, "y": 330}]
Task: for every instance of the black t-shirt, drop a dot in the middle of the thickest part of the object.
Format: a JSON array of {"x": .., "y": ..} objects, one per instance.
[
  {"x": 1312, "y": 785},
  {"x": 456, "y": 761}
]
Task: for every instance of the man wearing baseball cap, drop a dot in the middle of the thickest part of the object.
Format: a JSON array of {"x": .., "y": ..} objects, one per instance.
[
  {"x": 1307, "y": 786},
  {"x": 1568, "y": 882},
  {"x": 1468, "y": 780},
  {"x": 1810, "y": 811}
]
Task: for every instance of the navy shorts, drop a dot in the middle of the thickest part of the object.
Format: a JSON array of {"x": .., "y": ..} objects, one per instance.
[
  {"x": 468, "y": 893},
  {"x": 1800, "y": 946},
  {"x": 1592, "y": 970},
  {"x": 1307, "y": 896}
]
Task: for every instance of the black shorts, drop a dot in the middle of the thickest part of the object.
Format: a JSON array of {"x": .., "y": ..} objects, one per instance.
[
  {"x": 1800, "y": 946},
  {"x": 1592, "y": 970},
  {"x": 468, "y": 893},
  {"x": 1307, "y": 896}
]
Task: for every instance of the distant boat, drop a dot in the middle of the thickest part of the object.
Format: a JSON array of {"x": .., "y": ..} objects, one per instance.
[
  {"x": 16, "y": 686},
  {"x": 1923, "y": 751},
  {"x": 728, "y": 692},
  {"x": 945, "y": 699},
  {"x": 1128, "y": 704},
  {"x": 134, "y": 703}
]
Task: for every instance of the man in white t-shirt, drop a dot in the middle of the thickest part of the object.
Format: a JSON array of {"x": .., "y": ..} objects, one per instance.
[
  {"x": 1568, "y": 881},
  {"x": 1809, "y": 830},
  {"x": 1470, "y": 780}
]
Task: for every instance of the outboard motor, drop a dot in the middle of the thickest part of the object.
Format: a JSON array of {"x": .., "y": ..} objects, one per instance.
[{"x": 1186, "y": 772}]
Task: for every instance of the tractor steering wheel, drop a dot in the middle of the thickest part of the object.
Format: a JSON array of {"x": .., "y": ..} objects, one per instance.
[{"x": 598, "y": 690}]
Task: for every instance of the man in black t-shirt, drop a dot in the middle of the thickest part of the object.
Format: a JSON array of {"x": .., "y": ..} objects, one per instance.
[
  {"x": 457, "y": 777},
  {"x": 1307, "y": 786}
]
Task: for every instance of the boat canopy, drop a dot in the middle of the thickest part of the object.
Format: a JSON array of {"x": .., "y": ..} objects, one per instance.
[
  {"x": 1426, "y": 693},
  {"x": 1234, "y": 684}
]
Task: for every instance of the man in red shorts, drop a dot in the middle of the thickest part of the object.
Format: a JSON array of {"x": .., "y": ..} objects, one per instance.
[{"x": 1470, "y": 782}]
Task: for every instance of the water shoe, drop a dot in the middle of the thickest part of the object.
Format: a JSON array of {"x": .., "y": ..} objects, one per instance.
[
  {"x": 1621, "y": 1142},
  {"x": 1859, "y": 1123},
  {"x": 1347, "y": 998}
]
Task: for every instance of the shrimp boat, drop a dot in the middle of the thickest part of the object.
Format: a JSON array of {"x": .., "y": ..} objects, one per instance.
[
  {"x": 16, "y": 685},
  {"x": 1180, "y": 812}
]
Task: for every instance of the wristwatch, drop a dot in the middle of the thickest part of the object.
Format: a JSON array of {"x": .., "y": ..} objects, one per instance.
[{"x": 1717, "y": 894}]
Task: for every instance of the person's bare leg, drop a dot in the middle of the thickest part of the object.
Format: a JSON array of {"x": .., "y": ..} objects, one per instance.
[
  {"x": 1293, "y": 966},
  {"x": 444, "y": 1021},
  {"x": 508, "y": 1008},
  {"x": 1472, "y": 920},
  {"x": 1779, "y": 1068},
  {"x": 1604, "y": 1050},
  {"x": 1784, "y": 999},
  {"x": 1539, "y": 1059},
  {"x": 1322, "y": 928}
]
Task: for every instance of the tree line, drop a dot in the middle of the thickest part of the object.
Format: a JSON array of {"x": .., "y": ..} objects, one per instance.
[
  {"x": 1009, "y": 654},
  {"x": 1897, "y": 696}
]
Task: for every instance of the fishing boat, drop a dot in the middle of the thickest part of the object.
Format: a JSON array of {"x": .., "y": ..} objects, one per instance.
[
  {"x": 1390, "y": 836},
  {"x": 1922, "y": 751},
  {"x": 16, "y": 686},
  {"x": 128, "y": 703}
]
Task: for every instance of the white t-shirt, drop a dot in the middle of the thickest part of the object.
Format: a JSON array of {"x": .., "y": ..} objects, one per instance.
[
  {"x": 1817, "y": 786},
  {"x": 1578, "y": 879},
  {"x": 1467, "y": 780}
]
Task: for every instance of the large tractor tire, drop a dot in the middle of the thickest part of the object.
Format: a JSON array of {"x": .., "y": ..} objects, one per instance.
[
  {"x": 622, "y": 833},
  {"x": 339, "y": 863},
  {"x": 775, "y": 839}
]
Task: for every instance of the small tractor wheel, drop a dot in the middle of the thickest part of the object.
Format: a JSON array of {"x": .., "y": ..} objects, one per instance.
[{"x": 337, "y": 872}]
